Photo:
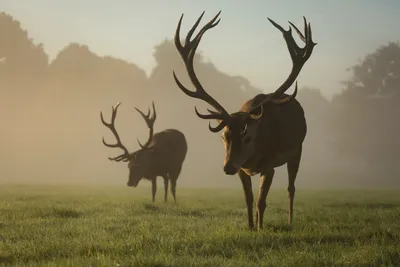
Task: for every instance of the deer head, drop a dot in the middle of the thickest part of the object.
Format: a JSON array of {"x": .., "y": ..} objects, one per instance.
[
  {"x": 139, "y": 162},
  {"x": 240, "y": 128}
]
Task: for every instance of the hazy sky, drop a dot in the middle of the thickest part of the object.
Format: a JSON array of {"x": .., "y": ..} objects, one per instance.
[{"x": 244, "y": 43}]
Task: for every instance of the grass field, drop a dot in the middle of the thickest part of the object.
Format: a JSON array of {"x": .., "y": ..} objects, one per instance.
[{"x": 118, "y": 226}]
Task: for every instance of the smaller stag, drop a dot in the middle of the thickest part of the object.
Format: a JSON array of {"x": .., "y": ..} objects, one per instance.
[
  {"x": 267, "y": 132},
  {"x": 162, "y": 155}
]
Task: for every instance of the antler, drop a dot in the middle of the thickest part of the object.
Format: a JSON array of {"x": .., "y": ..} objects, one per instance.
[
  {"x": 150, "y": 123},
  {"x": 125, "y": 156},
  {"x": 187, "y": 53},
  {"x": 299, "y": 57}
]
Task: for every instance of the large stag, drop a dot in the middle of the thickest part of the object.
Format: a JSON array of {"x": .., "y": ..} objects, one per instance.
[
  {"x": 268, "y": 130},
  {"x": 162, "y": 155}
]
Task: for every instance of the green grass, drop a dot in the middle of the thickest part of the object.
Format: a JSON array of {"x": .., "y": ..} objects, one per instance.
[{"x": 118, "y": 226}]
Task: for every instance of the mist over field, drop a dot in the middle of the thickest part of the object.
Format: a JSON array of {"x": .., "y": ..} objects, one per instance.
[
  {"x": 55, "y": 78},
  {"x": 64, "y": 203}
]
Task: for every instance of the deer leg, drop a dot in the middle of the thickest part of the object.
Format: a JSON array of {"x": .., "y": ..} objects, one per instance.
[
  {"x": 166, "y": 188},
  {"x": 154, "y": 188},
  {"x": 248, "y": 194},
  {"x": 292, "y": 168},
  {"x": 265, "y": 185},
  {"x": 173, "y": 176},
  {"x": 173, "y": 189}
]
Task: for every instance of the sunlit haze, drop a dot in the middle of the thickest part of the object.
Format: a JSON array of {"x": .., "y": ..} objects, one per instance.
[
  {"x": 62, "y": 62},
  {"x": 228, "y": 145}
]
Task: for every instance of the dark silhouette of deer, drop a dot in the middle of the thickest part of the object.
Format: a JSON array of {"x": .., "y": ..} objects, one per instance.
[
  {"x": 162, "y": 155},
  {"x": 268, "y": 130}
]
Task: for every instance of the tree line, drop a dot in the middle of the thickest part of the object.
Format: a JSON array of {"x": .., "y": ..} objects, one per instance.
[{"x": 50, "y": 114}]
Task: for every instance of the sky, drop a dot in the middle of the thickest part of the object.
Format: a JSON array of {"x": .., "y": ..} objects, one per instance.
[{"x": 244, "y": 43}]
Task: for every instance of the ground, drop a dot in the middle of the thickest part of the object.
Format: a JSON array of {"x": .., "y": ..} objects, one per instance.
[{"x": 119, "y": 226}]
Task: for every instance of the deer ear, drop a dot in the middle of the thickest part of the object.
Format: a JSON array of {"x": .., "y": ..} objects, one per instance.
[
  {"x": 257, "y": 113},
  {"x": 150, "y": 148}
]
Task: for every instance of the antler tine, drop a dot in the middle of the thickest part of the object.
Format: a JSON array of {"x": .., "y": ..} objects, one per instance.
[
  {"x": 150, "y": 123},
  {"x": 125, "y": 156},
  {"x": 119, "y": 158},
  {"x": 187, "y": 53},
  {"x": 299, "y": 32},
  {"x": 212, "y": 115},
  {"x": 270, "y": 99},
  {"x": 145, "y": 117},
  {"x": 114, "y": 112},
  {"x": 299, "y": 55},
  {"x": 154, "y": 117}
]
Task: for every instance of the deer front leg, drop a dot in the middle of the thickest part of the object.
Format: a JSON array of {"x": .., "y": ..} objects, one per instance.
[
  {"x": 292, "y": 168},
  {"x": 173, "y": 189},
  {"x": 248, "y": 194},
  {"x": 265, "y": 185},
  {"x": 154, "y": 188},
  {"x": 173, "y": 176},
  {"x": 165, "y": 187}
]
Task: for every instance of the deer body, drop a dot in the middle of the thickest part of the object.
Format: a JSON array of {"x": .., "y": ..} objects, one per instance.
[
  {"x": 169, "y": 152},
  {"x": 162, "y": 155},
  {"x": 165, "y": 160},
  {"x": 267, "y": 132},
  {"x": 281, "y": 132}
]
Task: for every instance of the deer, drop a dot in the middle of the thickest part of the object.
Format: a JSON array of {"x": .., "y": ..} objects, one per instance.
[
  {"x": 162, "y": 155},
  {"x": 268, "y": 130}
]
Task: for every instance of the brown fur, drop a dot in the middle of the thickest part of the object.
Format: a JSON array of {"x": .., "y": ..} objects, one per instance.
[
  {"x": 281, "y": 132},
  {"x": 164, "y": 158},
  {"x": 282, "y": 129},
  {"x": 267, "y": 132},
  {"x": 162, "y": 155}
]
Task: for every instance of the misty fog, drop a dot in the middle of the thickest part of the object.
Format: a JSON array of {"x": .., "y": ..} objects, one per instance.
[{"x": 51, "y": 130}]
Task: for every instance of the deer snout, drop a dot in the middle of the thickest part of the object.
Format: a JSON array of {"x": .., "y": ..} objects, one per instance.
[
  {"x": 132, "y": 183},
  {"x": 230, "y": 169}
]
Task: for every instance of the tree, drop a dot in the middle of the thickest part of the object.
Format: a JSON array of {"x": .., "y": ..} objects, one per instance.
[
  {"x": 24, "y": 62},
  {"x": 77, "y": 71},
  {"x": 365, "y": 113},
  {"x": 378, "y": 75}
]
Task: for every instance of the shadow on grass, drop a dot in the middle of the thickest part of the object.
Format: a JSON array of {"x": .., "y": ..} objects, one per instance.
[
  {"x": 176, "y": 211},
  {"x": 61, "y": 212},
  {"x": 6, "y": 259},
  {"x": 362, "y": 205},
  {"x": 66, "y": 213},
  {"x": 198, "y": 213},
  {"x": 262, "y": 242},
  {"x": 278, "y": 227},
  {"x": 150, "y": 207},
  {"x": 29, "y": 198}
]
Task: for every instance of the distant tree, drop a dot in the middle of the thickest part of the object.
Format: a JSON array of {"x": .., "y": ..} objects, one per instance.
[
  {"x": 23, "y": 61},
  {"x": 77, "y": 67},
  {"x": 365, "y": 114},
  {"x": 315, "y": 103},
  {"x": 377, "y": 76},
  {"x": 163, "y": 54},
  {"x": 317, "y": 109},
  {"x": 75, "y": 64},
  {"x": 245, "y": 85}
]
